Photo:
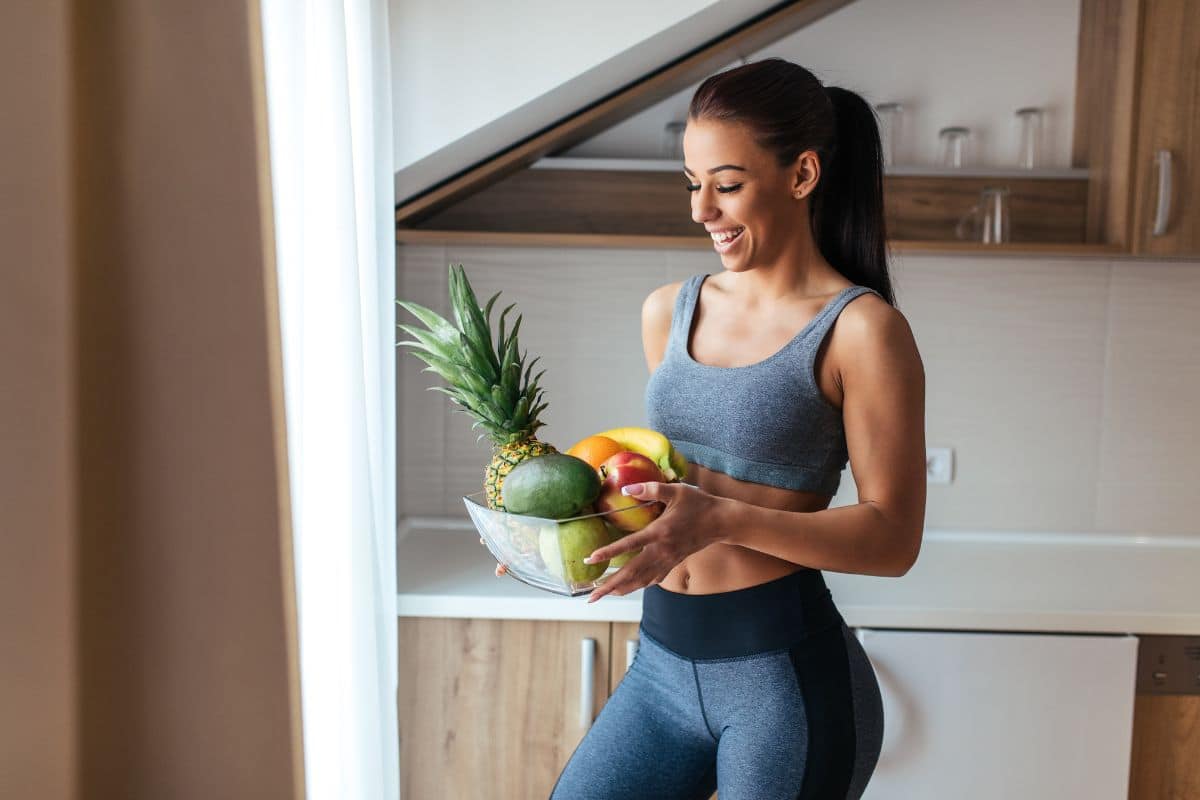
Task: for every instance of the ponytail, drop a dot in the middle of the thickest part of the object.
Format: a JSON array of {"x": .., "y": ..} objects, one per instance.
[
  {"x": 789, "y": 111},
  {"x": 847, "y": 206}
]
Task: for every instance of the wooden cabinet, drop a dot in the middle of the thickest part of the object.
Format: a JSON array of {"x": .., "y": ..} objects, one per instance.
[
  {"x": 1166, "y": 741},
  {"x": 1166, "y": 183},
  {"x": 492, "y": 708}
]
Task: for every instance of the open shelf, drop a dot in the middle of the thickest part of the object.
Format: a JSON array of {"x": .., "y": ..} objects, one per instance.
[
  {"x": 674, "y": 166},
  {"x": 517, "y": 239}
]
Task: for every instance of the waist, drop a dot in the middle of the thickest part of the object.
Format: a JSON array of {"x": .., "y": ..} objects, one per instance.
[{"x": 757, "y": 619}]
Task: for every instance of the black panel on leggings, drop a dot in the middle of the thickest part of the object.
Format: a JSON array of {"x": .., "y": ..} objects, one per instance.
[{"x": 823, "y": 673}]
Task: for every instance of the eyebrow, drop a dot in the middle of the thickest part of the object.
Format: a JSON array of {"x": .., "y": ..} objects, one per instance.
[{"x": 717, "y": 169}]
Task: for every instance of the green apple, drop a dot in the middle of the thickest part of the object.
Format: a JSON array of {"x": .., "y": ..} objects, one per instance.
[{"x": 565, "y": 546}]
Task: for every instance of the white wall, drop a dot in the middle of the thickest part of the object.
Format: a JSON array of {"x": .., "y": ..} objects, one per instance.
[
  {"x": 950, "y": 62},
  {"x": 1066, "y": 386},
  {"x": 471, "y": 78}
]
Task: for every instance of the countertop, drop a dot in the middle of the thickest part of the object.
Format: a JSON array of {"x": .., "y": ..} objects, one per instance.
[{"x": 963, "y": 580}]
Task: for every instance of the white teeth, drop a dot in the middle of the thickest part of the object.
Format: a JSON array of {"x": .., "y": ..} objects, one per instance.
[{"x": 722, "y": 238}]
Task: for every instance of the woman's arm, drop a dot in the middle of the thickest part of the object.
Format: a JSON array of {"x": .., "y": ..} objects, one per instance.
[{"x": 883, "y": 412}]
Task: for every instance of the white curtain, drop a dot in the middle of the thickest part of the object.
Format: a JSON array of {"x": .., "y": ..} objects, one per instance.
[{"x": 329, "y": 116}]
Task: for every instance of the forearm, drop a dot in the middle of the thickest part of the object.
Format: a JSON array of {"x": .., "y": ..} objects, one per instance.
[{"x": 856, "y": 539}]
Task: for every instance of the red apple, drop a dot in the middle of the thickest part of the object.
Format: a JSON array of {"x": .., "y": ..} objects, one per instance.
[{"x": 620, "y": 470}]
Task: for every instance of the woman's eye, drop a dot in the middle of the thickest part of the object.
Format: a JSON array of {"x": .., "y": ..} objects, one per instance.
[{"x": 692, "y": 187}]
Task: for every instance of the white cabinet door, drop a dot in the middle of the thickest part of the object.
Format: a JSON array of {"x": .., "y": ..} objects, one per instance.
[{"x": 1003, "y": 715}]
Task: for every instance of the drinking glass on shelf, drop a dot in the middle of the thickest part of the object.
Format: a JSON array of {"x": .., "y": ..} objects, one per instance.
[
  {"x": 988, "y": 220},
  {"x": 1029, "y": 137},
  {"x": 890, "y": 115},
  {"x": 672, "y": 140},
  {"x": 954, "y": 145}
]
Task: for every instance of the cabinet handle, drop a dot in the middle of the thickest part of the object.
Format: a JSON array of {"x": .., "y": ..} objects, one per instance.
[
  {"x": 587, "y": 700},
  {"x": 1162, "y": 210},
  {"x": 631, "y": 646}
]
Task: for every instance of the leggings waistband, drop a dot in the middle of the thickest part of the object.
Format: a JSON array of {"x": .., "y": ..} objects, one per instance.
[{"x": 768, "y": 616}]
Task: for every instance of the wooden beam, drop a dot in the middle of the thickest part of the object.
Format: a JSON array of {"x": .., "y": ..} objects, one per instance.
[{"x": 689, "y": 68}]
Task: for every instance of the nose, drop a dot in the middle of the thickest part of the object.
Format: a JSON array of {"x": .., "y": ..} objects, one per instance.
[{"x": 703, "y": 208}]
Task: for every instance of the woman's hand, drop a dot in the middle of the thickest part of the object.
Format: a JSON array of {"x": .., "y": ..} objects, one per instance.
[
  {"x": 686, "y": 525},
  {"x": 500, "y": 568}
]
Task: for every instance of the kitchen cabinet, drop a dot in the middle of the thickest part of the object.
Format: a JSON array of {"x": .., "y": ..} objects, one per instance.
[
  {"x": 503, "y": 703},
  {"x": 1130, "y": 188},
  {"x": 1166, "y": 182},
  {"x": 494, "y": 708},
  {"x": 1166, "y": 744}
]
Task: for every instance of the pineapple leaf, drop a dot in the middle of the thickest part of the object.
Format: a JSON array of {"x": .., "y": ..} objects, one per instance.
[
  {"x": 439, "y": 365},
  {"x": 508, "y": 381},
  {"x": 519, "y": 414},
  {"x": 431, "y": 342},
  {"x": 476, "y": 361},
  {"x": 470, "y": 318},
  {"x": 487, "y": 313},
  {"x": 445, "y": 333}
]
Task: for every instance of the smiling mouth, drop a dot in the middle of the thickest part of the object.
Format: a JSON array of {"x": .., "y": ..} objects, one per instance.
[{"x": 723, "y": 241}]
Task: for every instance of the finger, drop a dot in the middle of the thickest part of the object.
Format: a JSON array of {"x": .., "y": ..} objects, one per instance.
[
  {"x": 626, "y": 543},
  {"x": 651, "y": 490}
]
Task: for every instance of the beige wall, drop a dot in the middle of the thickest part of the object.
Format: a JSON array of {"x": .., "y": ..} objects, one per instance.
[
  {"x": 37, "y": 481},
  {"x": 1067, "y": 387},
  {"x": 149, "y": 632}
]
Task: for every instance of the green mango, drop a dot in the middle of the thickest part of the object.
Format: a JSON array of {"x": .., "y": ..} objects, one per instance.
[{"x": 551, "y": 486}]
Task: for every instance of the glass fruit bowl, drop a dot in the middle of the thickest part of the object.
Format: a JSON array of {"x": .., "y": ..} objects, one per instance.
[{"x": 546, "y": 553}]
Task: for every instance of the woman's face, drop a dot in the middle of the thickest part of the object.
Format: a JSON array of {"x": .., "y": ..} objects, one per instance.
[{"x": 737, "y": 188}]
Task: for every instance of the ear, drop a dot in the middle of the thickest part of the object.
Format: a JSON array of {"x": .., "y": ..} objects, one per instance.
[{"x": 806, "y": 173}]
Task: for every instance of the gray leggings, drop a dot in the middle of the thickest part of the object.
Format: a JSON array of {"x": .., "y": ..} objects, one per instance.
[{"x": 716, "y": 702}]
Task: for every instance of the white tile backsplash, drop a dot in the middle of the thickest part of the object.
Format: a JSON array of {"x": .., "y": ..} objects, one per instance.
[
  {"x": 1067, "y": 387},
  {"x": 1149, "y": 452}
]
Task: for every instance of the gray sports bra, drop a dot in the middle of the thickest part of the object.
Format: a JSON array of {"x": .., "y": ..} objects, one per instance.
[{"x": 765, "y": 422}]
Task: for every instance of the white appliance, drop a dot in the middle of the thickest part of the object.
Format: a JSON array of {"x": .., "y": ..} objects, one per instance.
[{"x": 1003, "y": 715}]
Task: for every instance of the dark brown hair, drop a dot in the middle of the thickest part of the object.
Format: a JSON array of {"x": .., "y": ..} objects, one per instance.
[{"x": 788, "y": 111}]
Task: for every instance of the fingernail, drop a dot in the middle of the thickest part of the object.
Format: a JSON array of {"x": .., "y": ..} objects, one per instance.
[
  {"x": 589, "y": 559},
  {"x": 631, "y": 489}
]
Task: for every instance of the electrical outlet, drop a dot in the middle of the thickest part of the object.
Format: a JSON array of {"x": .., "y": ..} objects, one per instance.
[
  {"x": 1168, "y": 665},
  {"x": 939, "y": 464}
]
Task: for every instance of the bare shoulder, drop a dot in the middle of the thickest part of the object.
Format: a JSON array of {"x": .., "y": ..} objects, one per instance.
[
  {"x": 657, "y": 310},
  {"x": 870, "y": 331}
]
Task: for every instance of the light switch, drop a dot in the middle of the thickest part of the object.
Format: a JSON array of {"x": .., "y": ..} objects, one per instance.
[{"x": 939, "y": 464}]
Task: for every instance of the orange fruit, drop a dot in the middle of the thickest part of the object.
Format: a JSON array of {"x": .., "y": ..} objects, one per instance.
[{"x": 595, "y": 450}]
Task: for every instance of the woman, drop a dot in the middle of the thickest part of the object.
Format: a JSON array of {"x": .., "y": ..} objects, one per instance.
[{"x": 747, "y": 680}]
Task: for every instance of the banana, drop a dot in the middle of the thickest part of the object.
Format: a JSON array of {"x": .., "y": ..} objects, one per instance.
[{"x": 654, "y": 446}]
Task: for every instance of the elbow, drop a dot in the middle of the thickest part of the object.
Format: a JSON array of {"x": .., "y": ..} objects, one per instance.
[{"x": 908, "y": 556}]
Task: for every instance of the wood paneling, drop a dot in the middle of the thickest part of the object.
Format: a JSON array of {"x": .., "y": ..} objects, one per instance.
[
  {"x": 638, "y": 203},
  {"x": 490, "y": 708},
  {"x": 573, "y": 240},
  {"x": 1105, "y": 103},
  {"x": 1166, "y": 748},
  {"x": 1169, "y": 119}
]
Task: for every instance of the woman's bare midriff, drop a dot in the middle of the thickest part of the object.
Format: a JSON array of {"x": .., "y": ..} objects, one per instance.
[{"x": 727, "y": 567}]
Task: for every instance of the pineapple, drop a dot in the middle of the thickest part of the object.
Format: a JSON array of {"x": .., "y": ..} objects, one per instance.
[{"x": 484, "y": 380}]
